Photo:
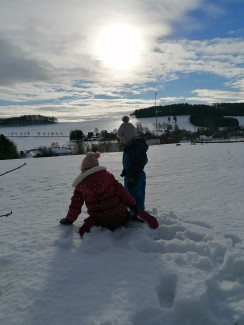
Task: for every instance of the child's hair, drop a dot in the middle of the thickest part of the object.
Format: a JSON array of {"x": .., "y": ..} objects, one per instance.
[{"x": 90, "y": 161}]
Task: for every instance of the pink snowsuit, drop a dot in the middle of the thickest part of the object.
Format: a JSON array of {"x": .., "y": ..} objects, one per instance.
[{"x": 105, "y": 198}]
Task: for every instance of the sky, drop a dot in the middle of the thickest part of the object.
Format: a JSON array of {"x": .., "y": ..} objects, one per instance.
[{"x": 76, "y": 59}]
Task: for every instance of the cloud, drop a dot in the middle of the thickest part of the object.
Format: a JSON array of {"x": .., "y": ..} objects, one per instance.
[
  {"x": 63, "y": 34},
  {"x": 223, "y": 57},
  {"x": 16, "y": 67},
  {"x": 239, "y": 84},
  {"x": 217, "y": 96},
  {"x": 49, "y": 61}
]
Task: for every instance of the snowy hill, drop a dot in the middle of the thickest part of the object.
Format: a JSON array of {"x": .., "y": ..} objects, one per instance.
[
  {"x": 189, "y": 271},
  {"x": 30, "y": 137}
]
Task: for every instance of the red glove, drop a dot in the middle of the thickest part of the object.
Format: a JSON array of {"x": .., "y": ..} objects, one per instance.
[{"x": 89, "y": 222}]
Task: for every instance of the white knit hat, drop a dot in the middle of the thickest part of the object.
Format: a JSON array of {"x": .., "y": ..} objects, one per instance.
[
  {"x": 125, "y": 119},
  {"x": 126, "y": 131},
  {"x": 90, "y": 161}
]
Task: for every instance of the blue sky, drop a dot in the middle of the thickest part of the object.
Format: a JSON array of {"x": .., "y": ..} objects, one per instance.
[{"x": 76, "y": 59}]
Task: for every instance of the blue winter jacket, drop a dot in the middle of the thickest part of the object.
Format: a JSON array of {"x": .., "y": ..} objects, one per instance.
[{"x": 134, "y": 160}]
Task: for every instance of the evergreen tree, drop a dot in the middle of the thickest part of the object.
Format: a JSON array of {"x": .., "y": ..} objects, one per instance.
[
  {"x": 76, "y": 135},
  {"x": 8, "y": 149}
]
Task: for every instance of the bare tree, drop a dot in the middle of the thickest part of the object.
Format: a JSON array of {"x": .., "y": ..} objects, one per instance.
[{"x": 79, "y": 148}]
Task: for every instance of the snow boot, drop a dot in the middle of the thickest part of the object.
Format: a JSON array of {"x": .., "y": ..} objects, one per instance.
[{"x": 151, "y": 221}]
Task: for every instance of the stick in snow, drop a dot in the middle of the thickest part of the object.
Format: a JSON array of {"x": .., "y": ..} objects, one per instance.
[
  {"x": 6, "y": 215},
  {"x": 13, "y": 169}
]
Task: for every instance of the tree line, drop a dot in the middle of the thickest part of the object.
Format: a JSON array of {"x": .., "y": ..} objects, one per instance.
[
  {"x": 218, "y": 109},
  {"x": 28, "y": 120},
  {"x": 202, "y": 115}
]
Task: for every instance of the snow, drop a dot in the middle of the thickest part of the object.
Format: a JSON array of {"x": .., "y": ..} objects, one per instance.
[
  {"x": 188, "y": 271},
  {"x": 31, "y": 137},
  {"x": 56, "y": 151}
]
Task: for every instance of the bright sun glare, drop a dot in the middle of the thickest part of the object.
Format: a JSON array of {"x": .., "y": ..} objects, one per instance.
[{"x": 119, "y": 46}]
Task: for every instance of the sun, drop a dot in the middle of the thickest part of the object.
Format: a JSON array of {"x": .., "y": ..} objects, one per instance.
[{"x": 119, "y": 46}]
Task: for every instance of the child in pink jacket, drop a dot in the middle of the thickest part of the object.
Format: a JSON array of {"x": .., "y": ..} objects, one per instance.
[{"x": 107, "y": 201}]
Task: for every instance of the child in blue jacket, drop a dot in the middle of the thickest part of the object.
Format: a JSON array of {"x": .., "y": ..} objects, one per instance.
[{"x": 134, "y": 160}]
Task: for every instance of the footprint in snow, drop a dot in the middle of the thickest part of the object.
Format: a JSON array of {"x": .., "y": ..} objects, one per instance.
[{"x": 166, "y": 290}]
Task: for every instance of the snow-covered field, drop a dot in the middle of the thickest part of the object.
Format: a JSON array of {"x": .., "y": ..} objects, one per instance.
[
  {"x": 28, "y": 137},
  {"x": 189, "y": 271}
]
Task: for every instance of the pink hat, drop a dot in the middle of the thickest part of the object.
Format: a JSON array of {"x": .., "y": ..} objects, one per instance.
[{"x": 90, "y": 161}]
